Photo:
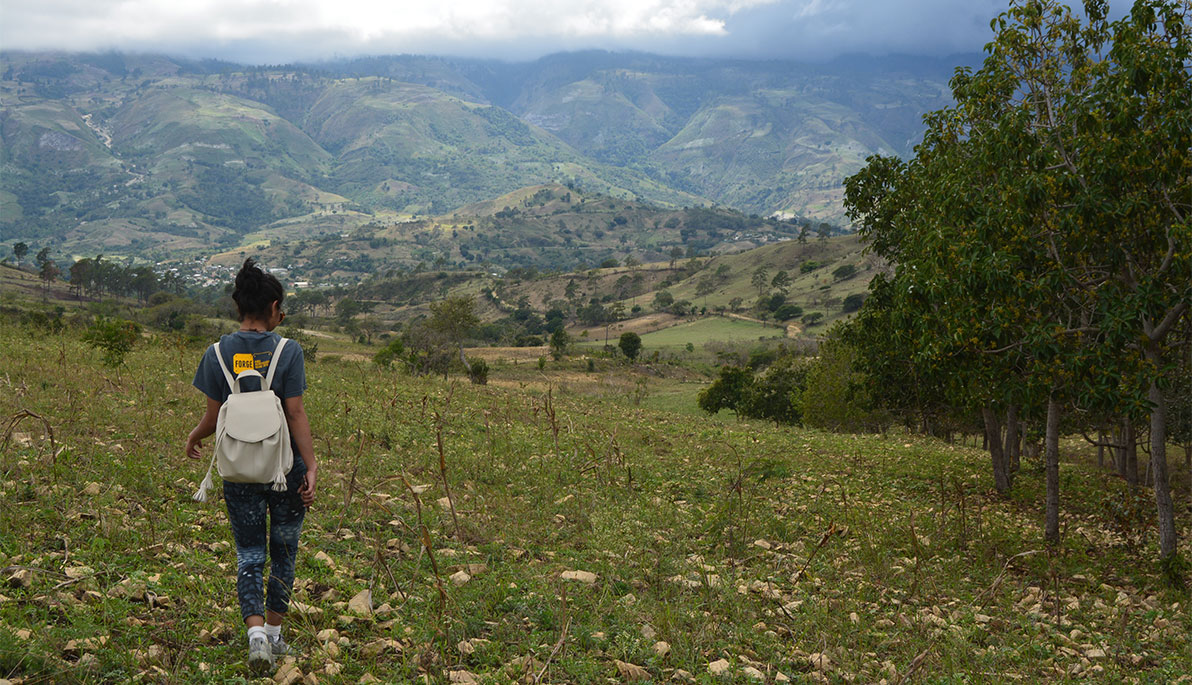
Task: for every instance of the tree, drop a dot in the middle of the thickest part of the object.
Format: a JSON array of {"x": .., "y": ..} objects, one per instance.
[
  {"x": 676, "y": 253},
  {"x": 1041, "y": 258},
  {"x": 453, "y": 319},
  {"x": 704, "y": 287},
  {"x": 781, "y": 282},
  {"x": 114, "y": 337},
  {"x": 852, "y": 302},
  {"x": 559, "y": 342},
  {"x": 837, "y": 396},
  {"x": 49, "y": 271},
  {"x": 20, "y": 249},
  {"x": 726, "y": 392},
  {"x": 760, "y": 280},
  {"x": 663, "y": 299},
  {"x": 776, "y": 394},
  {"x": 630, "y": 344}
]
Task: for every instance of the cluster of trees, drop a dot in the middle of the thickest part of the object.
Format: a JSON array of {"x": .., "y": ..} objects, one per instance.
[
  {"x": 1041, "y": 242},
  {"x": 97, "y": 277}
]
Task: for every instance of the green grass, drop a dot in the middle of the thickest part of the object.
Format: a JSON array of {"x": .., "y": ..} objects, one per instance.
[
  {"x": 705, "y": 330},
  {"x": 734, "y": 540}
]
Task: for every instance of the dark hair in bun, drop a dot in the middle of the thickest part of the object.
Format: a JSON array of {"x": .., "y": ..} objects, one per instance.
[{"x": 255, "y": 291}]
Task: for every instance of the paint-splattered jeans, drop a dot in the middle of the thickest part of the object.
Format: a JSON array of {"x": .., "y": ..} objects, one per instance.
[{"x": 248, "y": 504}]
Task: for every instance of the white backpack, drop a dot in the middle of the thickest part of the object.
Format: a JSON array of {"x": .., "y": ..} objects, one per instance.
[{"x": 252, "y": 437}]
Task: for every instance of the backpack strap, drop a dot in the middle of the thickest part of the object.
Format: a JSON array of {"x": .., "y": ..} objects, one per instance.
[
  {"x": 227, "y": 374},
  {"x": 273, "y": 364}
]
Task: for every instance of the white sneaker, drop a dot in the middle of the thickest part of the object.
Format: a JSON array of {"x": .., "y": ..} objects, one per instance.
[
  {"x": 279, "y": 647},
  {"x": 260, "y": 656}
]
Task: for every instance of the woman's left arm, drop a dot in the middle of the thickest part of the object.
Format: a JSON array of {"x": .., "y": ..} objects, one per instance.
[
  {"x": 300, "y": 432},
  {"x": 205, "y": 428}
]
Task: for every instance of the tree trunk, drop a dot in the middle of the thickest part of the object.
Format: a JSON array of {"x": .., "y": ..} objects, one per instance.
[
  {"x": 1010, "y": 449},
  {"x": 1100, "y": 449},
  {"x": 464, "y": 360},
  {"x": 1051, "y": 531},
  {"x": 993, "y": 432},
  {"x": 1163, "y": 504},
  {"x": 1130, "y": 447}
]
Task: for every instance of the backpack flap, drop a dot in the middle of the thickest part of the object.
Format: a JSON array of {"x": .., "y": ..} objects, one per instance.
[{"x": 252, "y": 416}]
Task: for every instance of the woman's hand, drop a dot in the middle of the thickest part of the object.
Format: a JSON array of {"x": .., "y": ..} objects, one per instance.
[
  {"x": 193, "y": 445},
  {"x": 307, "y": 491}
]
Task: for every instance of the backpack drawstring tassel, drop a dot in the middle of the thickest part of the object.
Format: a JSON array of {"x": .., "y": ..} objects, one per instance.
[
  {"x": 207, "y": 484},
  {"x": 279, "y": 478}
]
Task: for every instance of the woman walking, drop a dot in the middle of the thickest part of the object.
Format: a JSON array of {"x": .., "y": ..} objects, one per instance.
[{"x": 264, "y": 521}]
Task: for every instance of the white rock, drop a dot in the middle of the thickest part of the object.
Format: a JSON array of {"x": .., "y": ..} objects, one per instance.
[
  {"x": 718, "y": 667},
  {"x": 586, "y": 577},
  {"x": 361, "y": 603}
]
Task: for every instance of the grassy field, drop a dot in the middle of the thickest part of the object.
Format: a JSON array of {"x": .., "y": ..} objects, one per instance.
[
  {"x": 772, "y": 553},
  {"x": 702, "y": 331}
]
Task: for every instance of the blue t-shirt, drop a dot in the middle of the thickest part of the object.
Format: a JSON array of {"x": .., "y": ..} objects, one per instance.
[{"x": 251, "y": 349}]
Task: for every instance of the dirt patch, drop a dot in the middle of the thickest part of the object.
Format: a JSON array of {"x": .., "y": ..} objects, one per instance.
[{"x": 640, "y": 325}]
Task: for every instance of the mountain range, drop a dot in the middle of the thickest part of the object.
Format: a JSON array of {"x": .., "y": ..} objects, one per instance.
[{"x": 153, "y": 156}]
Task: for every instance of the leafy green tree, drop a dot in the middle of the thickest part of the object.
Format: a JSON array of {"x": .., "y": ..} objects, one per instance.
[
  {"x": 394, "y": 350},
  {"x": 726, "y": 392},
  {"x": 453, "y": 319},
  {"x": 781, "y": 282},
  {"x": 704, "y": 287},
  {"x": 114, "y": 337},
  {"x": 48, "y": 272},
  {"x": 676, "y": 252},
  {"x": 836, "y": 396},
  {"x": 559, "y": 342},
  {"x": 20, "y": 249},
  {"x": 1032, "y": 242},
  {"x": 630, "y": 344},
  {"x": 844, "y": 272},
  {"x": 852, "y": 302},
  {"x": 776, "y": 394},
  {"x": 787, "y": 312},
  {"x": 760, "y": 280},
  {"x": 663, "y": 299}
]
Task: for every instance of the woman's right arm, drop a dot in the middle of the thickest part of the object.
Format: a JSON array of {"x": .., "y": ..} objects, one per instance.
[{"x": 205, "y": 428}]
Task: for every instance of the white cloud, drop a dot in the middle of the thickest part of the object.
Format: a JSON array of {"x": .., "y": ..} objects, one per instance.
[
  {"x": 287, "y": 30},
  {"x": 78, "y": 24}
]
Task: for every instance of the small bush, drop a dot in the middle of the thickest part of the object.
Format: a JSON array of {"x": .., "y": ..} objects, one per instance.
[
  {"x": 394, "y": 350},
  {"x": 479, "y": 372},
  {"x": 115, "y": 337},
  {"x": 310, "y": 346}
]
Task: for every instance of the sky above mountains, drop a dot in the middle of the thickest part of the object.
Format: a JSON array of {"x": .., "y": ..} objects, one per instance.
[{"x": 277, "y": 31}]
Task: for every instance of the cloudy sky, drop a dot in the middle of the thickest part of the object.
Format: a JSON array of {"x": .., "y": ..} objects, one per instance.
[{"x": 274, "y": 31}]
